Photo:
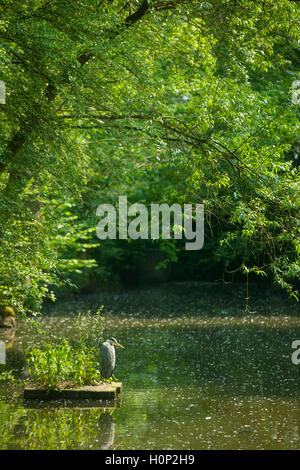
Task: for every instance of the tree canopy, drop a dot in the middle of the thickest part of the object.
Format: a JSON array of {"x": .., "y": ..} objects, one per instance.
[{"x": 163, "y": 100}]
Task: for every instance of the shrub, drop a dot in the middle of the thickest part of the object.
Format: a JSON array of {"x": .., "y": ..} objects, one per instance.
[{"x": 59, "y": 365}]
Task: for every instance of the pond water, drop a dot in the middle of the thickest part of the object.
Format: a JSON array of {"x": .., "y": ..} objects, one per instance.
[{"x": 198, "y": 372}]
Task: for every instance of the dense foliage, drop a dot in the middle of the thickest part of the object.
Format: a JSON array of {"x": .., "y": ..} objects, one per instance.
[
  {"x": 59, "y": 363},
  {"x": 162, "y": 100}
]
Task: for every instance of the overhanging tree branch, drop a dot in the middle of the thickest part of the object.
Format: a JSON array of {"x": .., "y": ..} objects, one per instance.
[{"x": 51, "y": 91}]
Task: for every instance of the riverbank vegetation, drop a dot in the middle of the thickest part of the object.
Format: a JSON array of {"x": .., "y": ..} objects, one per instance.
[
  {"x": 63, "y": 362},
  {"x": 162, "y": 101}
]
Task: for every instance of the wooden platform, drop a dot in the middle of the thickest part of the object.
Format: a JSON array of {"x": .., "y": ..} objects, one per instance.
[{"x": 103, "y": 391}]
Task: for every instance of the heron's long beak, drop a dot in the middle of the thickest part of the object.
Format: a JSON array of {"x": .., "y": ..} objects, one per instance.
[{"x": 120, "y": 345}]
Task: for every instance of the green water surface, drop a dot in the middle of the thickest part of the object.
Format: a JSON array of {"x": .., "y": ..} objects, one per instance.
[{"x": 198, "y": 372}]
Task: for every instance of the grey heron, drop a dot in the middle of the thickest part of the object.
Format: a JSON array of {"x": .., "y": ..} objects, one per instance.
[{"x": 108, "y": 357}]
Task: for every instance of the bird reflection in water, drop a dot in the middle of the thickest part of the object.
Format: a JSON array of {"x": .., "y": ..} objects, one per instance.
[{"x": 106, "y": 434}]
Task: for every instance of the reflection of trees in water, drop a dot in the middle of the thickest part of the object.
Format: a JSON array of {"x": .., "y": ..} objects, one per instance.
[
  {"x": 106, "y": 434},
  {"x": 10, "y": 416},
  {"x": 57, "y": 428}
]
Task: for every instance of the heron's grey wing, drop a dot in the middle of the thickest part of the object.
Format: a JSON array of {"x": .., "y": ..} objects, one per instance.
[{"x": 107, "y": 360}]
